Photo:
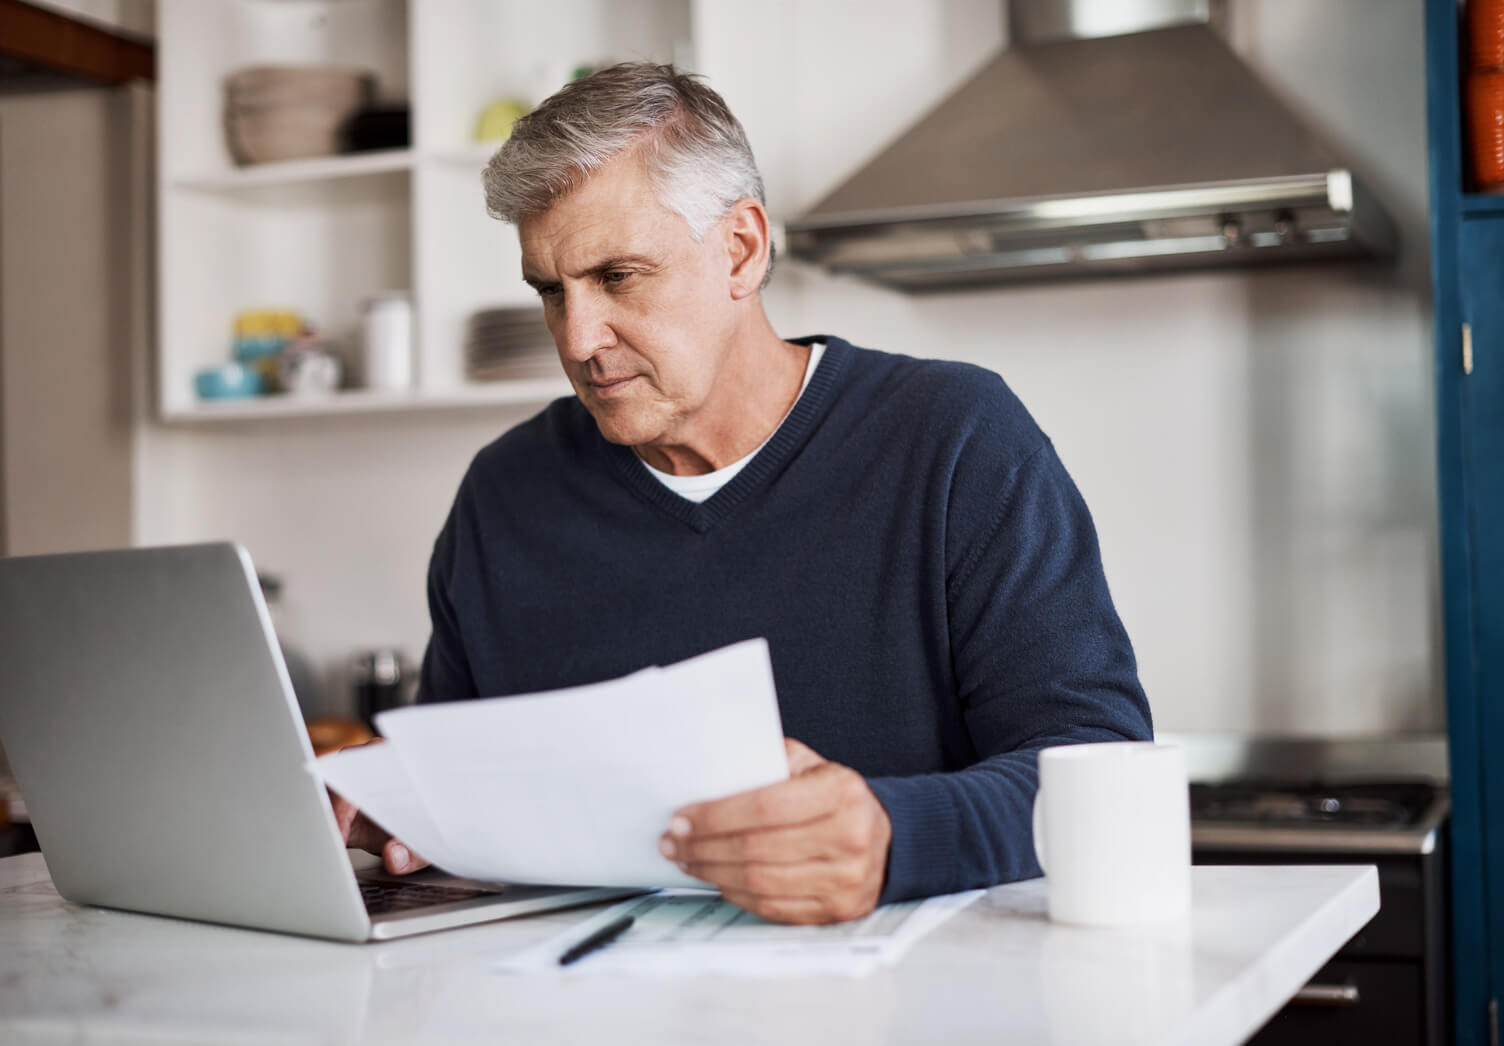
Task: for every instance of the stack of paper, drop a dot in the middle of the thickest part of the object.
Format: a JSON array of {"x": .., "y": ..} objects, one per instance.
[{"x": 570, "y": 787}]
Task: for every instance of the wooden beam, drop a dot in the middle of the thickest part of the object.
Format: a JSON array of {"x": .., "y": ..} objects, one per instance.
[{"x": 55, "y": 42}]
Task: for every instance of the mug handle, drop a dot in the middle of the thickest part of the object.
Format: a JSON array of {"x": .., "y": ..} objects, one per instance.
[{"x": 1039, "y": 843}]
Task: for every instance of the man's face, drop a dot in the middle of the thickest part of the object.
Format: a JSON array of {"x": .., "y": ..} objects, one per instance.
[{"x": 642, "y": 314}]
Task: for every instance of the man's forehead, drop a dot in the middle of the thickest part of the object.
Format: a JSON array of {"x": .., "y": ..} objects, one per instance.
[
  {"x": 621, "y": 194},
  {"x": 578, "y": 239},
  {"x": 578, "y": 251}
]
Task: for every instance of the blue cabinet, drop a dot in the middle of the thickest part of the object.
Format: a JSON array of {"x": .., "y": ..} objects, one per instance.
[{"x": 1467, "y": 256}]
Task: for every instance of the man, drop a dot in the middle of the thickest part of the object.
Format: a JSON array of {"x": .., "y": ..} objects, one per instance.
[{"x": 899, "y": 529}]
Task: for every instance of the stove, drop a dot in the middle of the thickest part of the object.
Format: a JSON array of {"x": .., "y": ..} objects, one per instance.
[
  {"x": 1359, "y": 816},
  {"x": 1323, "y": 802}
]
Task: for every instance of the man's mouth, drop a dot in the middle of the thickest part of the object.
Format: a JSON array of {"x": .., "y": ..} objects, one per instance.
[{"x": 608, "y": 386}]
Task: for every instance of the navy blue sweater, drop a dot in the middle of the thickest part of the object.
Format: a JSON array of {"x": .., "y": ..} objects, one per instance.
[{"x": 923, "y": 568}]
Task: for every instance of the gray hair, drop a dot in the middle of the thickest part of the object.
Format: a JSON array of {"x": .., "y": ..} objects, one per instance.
[{"x": 695, "y": 151}]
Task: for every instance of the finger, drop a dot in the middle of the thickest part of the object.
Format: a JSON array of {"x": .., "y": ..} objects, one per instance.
[
  {"x": 801, "y": 756},
  {"x": 806, "y": 879},
  {"x": 801, "y": 910},
  {"x": 344, "y": 814},
  {"x": 399, "y": 860},
  {"x": 784, "y": 845},
  {"x": 808, "y": 797},
  {"x": 367, "y": 835},
  {"x": 355, "y": 828}
]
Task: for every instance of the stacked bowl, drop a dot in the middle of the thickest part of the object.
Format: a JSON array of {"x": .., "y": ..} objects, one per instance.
[{"x": 291, "y": 112}]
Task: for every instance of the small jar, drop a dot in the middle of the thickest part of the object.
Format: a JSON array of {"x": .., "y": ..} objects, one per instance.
[
  {"x": 387, "y": 342},
  {"x": 382, "y": 680}
]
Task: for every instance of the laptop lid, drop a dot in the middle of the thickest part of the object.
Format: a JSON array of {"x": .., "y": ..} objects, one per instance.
[{"x": 150, "y": 723}]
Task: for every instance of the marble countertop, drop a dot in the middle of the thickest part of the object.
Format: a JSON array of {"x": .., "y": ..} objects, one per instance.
[{"x": 997, "y": 972}]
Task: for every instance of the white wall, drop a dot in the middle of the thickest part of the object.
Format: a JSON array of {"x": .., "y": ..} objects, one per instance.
[{"x": 1257, "y": 449}]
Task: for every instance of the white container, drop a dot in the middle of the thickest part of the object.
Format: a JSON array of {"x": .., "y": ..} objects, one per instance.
[
  {"x": 1112, "y": 831},
  {"x": 387, "y": 342}
]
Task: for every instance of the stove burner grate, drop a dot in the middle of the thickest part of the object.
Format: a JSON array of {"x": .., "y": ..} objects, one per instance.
[{"x": 1386, "y": 804}]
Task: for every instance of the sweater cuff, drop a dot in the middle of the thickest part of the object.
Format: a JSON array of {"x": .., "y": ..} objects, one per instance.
[{"x": 922, "y": 853}]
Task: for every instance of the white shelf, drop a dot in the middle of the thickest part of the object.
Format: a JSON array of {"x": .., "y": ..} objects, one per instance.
[
  {"x": 296, "y": 172},
  {"x": 321, "y": 236},
  {"x": 368, "y": 401}
]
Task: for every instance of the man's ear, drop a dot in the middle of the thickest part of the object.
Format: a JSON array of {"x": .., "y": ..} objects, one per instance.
[{"x": 748, "y": 240}]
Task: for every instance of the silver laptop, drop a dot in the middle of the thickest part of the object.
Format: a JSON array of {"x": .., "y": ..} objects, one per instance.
[{"x": 152, "y": 728}]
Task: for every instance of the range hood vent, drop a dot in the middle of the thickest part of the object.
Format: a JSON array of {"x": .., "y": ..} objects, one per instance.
[{"x": 1084, "y": 157}]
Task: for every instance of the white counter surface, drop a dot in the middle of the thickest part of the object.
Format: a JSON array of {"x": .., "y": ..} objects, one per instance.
[{"x": 998, "y": 972}]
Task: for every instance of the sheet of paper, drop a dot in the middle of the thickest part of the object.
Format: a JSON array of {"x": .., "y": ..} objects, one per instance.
[
  {"x": 572, "y": 787},
  {"x": 375, "y": 774},
  {"x": 681, "y": 933}
]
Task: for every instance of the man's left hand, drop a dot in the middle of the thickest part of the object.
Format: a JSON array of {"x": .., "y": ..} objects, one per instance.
[{"x": 812, "y": 849}]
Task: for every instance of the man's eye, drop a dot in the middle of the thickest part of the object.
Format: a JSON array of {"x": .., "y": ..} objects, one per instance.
[
  {"x": 616, "y": 277},
  {"x": 549, "y": 291}
]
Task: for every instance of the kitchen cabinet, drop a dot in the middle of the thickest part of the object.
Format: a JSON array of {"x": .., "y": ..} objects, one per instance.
[
  {"x": 323, "y": 235},
  {"x": 1467, "y": 258}
]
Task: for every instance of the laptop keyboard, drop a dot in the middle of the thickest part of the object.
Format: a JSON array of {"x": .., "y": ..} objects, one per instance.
[{"x": 386, "y": 898}]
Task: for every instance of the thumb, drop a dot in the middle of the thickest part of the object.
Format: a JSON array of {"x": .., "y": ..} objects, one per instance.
[
  {"x": 802, "y": 758},
  {"x": 399, "y": 860}
]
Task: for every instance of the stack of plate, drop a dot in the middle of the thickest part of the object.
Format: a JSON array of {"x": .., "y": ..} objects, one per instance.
[
  {"x": 291, "y": 112},
  {"x": 509, "y": 344}
]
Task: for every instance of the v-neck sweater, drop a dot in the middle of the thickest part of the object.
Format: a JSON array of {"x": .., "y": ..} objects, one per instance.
[{"x": 923, "y": 567}]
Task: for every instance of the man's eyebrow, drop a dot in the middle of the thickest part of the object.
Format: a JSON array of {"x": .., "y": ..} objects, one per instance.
[{"x": 620, "y": 261}]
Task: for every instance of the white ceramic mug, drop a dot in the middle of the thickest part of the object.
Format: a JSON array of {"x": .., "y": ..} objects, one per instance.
[{"x": 1112, "y": 831}]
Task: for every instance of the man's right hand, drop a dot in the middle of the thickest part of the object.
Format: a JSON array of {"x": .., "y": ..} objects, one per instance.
[{"x": 359, "y": 831}]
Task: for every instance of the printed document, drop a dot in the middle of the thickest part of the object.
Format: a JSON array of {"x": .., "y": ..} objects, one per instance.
[
  {"x": 683, "y": 932},
  {"x": 571, "y": 787}
]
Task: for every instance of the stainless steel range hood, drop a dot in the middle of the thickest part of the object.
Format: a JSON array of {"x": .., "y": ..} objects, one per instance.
[{"x": 1096, "y": 155}]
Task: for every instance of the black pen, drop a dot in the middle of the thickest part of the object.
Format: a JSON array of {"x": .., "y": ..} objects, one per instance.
[{"x": 599, "y": 939}]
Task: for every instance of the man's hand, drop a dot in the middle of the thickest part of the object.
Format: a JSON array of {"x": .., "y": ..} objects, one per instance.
[
  {"x": 812, "y": 849},
  {"x": 359, "y": 831}
]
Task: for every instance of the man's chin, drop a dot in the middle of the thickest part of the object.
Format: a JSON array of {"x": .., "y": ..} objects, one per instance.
[{"x": 625, "y": 427}]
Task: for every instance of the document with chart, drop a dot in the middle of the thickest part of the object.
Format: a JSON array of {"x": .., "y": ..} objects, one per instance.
[{"x": 678, "y": 933}]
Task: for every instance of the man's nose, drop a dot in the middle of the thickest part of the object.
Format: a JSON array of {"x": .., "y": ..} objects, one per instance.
[{"x": 583, "y": 329}]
